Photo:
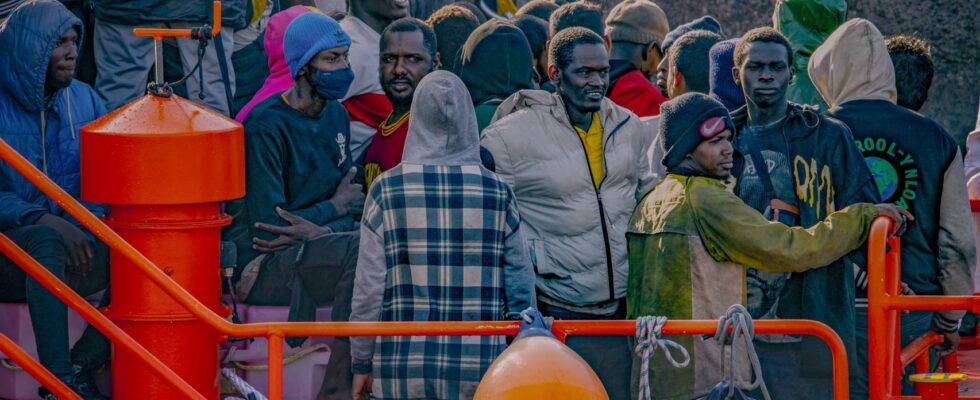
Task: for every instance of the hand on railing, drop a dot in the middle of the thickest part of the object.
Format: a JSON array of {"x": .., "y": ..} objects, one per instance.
[{"x": 899, "y": 215}]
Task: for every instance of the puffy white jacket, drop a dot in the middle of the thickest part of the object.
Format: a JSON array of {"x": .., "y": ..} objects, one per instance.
[{"x": 576, "y": 233}]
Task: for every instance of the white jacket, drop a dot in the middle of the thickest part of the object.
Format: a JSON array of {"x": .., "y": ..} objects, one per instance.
[{"x": 576, "y": 233}]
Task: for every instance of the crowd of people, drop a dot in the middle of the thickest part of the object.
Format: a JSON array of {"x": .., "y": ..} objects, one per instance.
[{"x": 591, "y": 163}]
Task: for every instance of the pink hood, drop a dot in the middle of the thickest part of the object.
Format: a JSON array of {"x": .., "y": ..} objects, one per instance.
[{"x": 279, "y": 78}]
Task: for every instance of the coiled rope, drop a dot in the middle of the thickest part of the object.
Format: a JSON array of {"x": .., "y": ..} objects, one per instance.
[
  {"x": 648, "y": 340},
  {"x": 738, "y": 319}
]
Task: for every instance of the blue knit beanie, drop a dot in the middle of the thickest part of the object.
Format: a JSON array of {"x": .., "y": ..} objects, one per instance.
[
  {"x": 723, "y": 86},
  {"x": 308, "y": 35},
  {"x": 705, "y": 23}
]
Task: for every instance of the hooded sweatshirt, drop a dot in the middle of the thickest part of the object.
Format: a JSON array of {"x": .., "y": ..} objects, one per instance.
[
  {"x": 723, "y": 86},
  {"x": 495, "y": 62},
  {"x": 279, "y": 79},
  {"x": 807, "y": 23},
  {"x": 915, "y": 162},
  {"x": 472, "y": 263},
  {"x": 43, "y": 130}
]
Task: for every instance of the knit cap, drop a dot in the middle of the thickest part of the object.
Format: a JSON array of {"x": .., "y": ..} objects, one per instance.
[
  {"x": 688, "y": 120},
  {"x": 308, "y": 35},
  {"x": 637, "y": 21},
  {"x": 705, "y": 23},
  {"x": 723, "y": 87}
]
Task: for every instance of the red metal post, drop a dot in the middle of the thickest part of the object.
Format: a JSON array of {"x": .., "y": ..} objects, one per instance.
[
  {"x": 163, "y": 164},
  {"x": 880, "y": 345}
]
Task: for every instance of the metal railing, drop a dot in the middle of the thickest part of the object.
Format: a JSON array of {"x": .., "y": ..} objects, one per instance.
[
  {"x": 276, "y": 332},
  {"x": 885, "y": 302}
]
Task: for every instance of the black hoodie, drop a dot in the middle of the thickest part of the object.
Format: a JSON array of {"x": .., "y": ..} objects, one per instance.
[{"x": 495, "y": 63}]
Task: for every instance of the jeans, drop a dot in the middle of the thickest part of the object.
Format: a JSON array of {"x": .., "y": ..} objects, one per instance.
[
  {"x": 913, "y": 325},
  {"x": 609, "y": 356},
  {"x": 783, "y": 376},
  {"x": 319, "y": 272},
  {"x": 49, "y": 316}
]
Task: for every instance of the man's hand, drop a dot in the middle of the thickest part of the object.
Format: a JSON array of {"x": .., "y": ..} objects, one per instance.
[
  {"x": 79, "y": 248},
  {"x": 949, "y": 345},
  {"x": 361, "y": 387},
  {"x": 898, "y": 215},
  {"x": 299, "y": 229},
  {"x": 349, "y": 197}
]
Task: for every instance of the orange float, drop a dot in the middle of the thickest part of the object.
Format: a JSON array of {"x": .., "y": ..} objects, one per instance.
[{"x": 538, "y": 366}]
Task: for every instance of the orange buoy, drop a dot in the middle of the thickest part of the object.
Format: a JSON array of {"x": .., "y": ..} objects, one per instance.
[{"x": 538, "y": 366}]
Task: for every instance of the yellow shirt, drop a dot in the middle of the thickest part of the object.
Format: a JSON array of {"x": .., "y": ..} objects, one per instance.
[{"x": 592, "y": 140}]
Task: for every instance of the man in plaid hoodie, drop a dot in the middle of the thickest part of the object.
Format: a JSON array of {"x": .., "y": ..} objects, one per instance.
[{"x": 441, "y": 240}]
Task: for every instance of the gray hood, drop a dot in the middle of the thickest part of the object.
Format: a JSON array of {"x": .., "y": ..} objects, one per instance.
[{"x": 442, "y": 128}]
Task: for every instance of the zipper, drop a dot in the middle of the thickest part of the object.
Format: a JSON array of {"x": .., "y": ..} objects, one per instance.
[
  {"x": 44, "y": 146},
  {"x": 598, "y": 196}
]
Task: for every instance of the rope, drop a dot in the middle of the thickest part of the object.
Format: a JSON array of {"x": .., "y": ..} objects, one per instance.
[
  {"x": 740, "y": 321},
  {"x": 10, "y": 365},
  {"x": 648, "y": 340},
  {"x": 286, "y": 361},
  {"x": 243, "y": 387}
]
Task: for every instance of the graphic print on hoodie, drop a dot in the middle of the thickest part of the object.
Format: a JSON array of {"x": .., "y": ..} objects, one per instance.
[{"x": 915, "y": 163}]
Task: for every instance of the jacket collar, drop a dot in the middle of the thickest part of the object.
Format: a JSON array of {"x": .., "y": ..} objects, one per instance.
[{"x": 801, "y": 120}]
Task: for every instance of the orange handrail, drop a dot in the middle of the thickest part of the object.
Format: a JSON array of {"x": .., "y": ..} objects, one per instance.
[
  {"x": 36, "y": 370},
  {"x": 92, "y": 315},
  {"x": 275, "y": 332},
  {"x": 885, "y": 359},
  {"x": 160, "y": 33}
]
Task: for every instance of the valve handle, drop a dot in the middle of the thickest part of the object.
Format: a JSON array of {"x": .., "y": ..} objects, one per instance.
[{"x": 199, "y": 33}]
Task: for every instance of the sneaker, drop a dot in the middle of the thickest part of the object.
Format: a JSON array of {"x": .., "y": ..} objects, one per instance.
[{"x": 84, "y": 384}]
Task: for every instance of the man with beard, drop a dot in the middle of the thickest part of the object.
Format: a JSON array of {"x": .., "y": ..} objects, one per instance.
[
  {"x": 799, "y": 166},
  {"x": 577, "y": 163},
  {"x": 408, "y": 54},
  {"x": 365, "y": 100},
  {"x": 294, "y": 229}
]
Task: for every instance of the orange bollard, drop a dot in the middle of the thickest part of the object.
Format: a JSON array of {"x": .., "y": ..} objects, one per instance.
[{"x": 164, "y": 164}]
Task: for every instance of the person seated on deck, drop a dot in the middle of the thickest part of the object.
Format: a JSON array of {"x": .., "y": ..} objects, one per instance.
[
  {"x": 294, "y": 230},
  {"x": 690, "y": 239},
  {"x": 42, "y": 108}
]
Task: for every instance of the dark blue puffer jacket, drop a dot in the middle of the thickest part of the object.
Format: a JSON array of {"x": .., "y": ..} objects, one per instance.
[{"x": 26, "y": 42}]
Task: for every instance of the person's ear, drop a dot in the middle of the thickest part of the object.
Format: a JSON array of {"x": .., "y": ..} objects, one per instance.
[
  {"x": 437, "y": 61},
  {"x": 553, "y": 73},
  {"x": 737, "y": 75}
]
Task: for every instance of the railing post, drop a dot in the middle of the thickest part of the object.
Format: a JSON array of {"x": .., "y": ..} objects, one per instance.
[
  {"x": 275, "y": 365},
  {"x": 881, "y": 360}
]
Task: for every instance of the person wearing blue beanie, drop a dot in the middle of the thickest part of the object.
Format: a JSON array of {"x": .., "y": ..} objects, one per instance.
[
  {"x": 723, "y": 86},
  {"x": 705, "y": 23},
  {"x": 300, "y": 196},
  {"x": 316, "y": 38}
]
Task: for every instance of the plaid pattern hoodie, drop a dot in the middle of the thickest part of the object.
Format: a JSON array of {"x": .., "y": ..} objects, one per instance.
[{"x": 438, "y": 243}]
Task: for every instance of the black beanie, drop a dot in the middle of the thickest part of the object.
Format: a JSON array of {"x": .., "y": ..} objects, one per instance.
[
  {"x": 686, "y": 121},
  {"x": 706, "y": 23}
]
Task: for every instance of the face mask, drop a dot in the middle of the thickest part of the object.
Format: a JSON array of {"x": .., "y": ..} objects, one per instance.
[{"x": 332, "y": 85}]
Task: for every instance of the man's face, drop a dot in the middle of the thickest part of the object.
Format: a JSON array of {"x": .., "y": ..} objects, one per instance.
[
  {"x": 663, "y": 71},
  {"x": 715, "y": 155},
  {"x": 328, "y": 60},
  {"x": 61, "y": 67},
  {"x": 651, "y": 64},
  {"x": 404, "y": 62},
  {"x": 582, "y": 84},
  {"x": 389, "y": 10},
  {"x": 764, "y": 74}
]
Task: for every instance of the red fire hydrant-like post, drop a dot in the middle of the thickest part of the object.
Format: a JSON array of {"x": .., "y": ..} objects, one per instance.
[{"x": 164, "y": 164}]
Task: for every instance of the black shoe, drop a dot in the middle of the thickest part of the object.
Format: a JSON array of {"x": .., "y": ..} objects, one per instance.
[
  {"x": 85, "y": 385},
  {"x": 46, "y": 394}
]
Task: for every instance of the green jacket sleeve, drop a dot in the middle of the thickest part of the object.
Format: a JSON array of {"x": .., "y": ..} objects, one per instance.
[{"x": 733, "y": 231}]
